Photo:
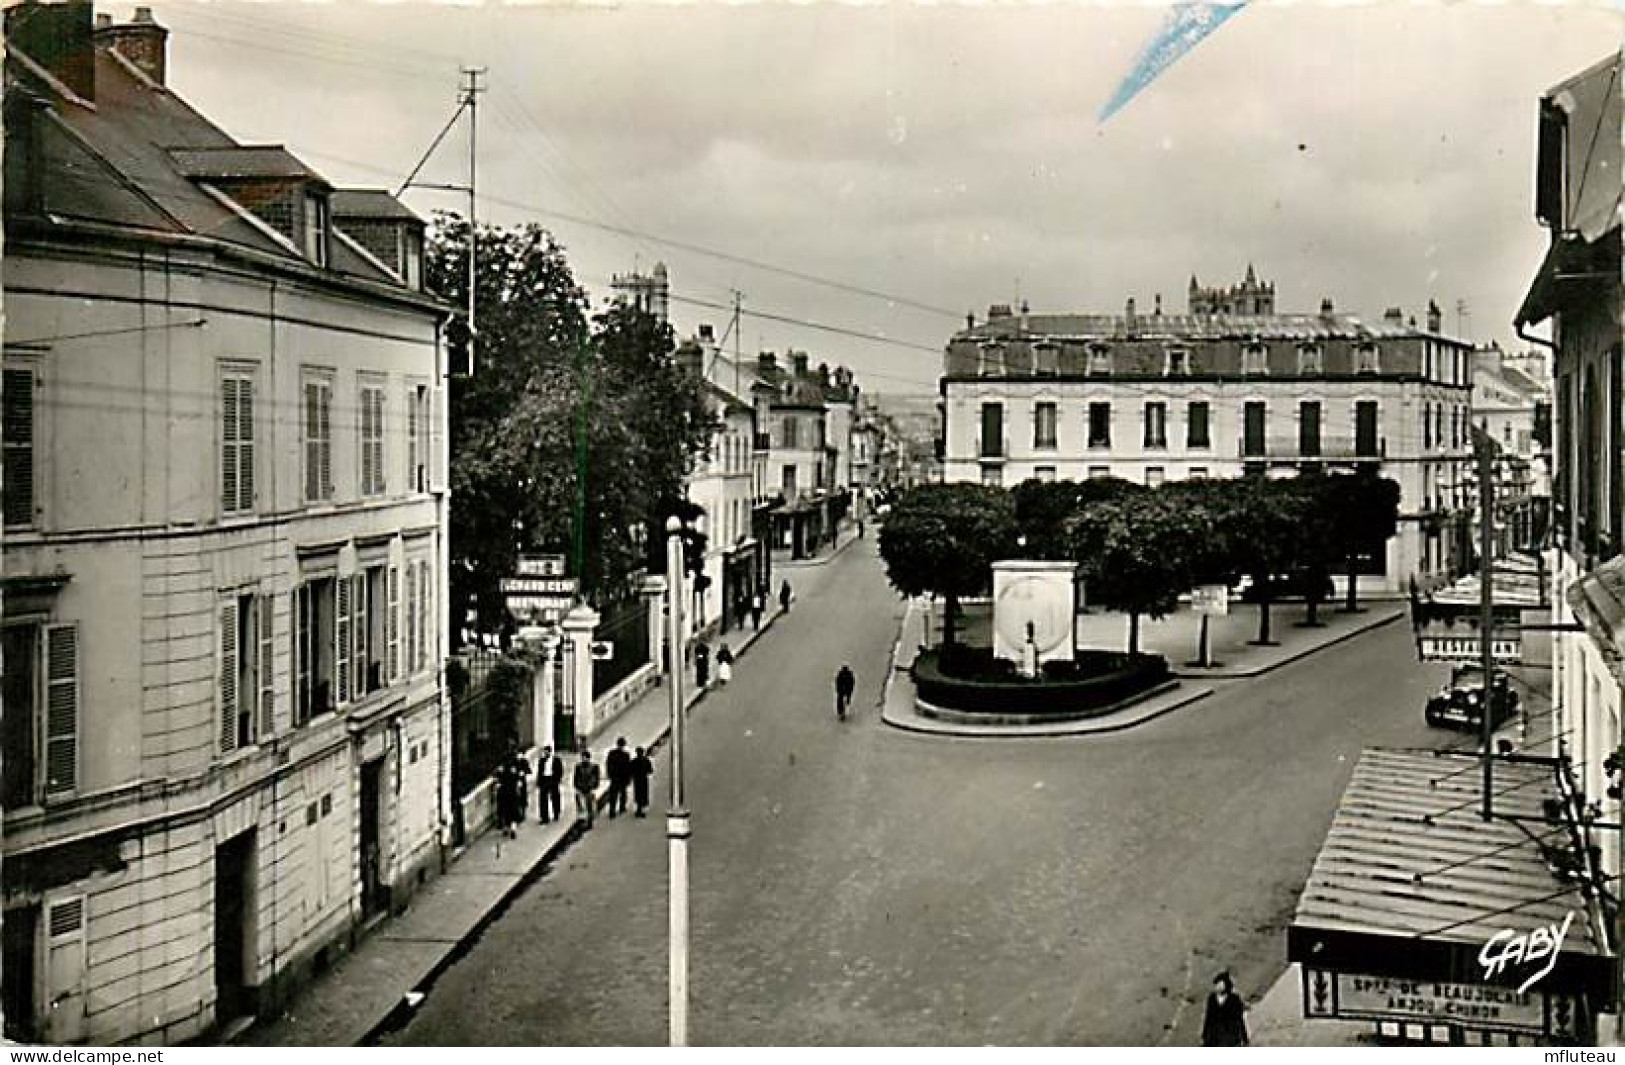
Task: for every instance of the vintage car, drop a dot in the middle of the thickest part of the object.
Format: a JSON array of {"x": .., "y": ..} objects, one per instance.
[{"x": 1460, "y": 703}]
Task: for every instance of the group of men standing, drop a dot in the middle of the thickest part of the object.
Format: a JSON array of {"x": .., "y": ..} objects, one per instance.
[{"x": 627, "y": 770}]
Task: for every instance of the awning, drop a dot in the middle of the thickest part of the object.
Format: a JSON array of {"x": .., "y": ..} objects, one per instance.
[
  {"x": 1573, "y": 270},
  {"x": 1598, "y": 602},
  {"x": 1412, "y": 883}
]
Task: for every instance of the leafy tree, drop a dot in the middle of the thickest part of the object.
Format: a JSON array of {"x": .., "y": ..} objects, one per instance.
[
  {"x": 1362, "y": 514},
  {"x": 1043, "y": 509},
  {"x": 1134, "y": 552},
  {"x": 944, "y": 539},
  {"x": 1314, "y": 547},
  {"x": 545, "y": 380},
  {"x": 1262, "y": 527}
]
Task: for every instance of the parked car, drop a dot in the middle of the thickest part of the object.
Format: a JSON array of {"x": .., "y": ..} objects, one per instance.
[{"x": 1460, "y": 702}]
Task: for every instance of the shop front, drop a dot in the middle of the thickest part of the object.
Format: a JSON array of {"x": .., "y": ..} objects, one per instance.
[{"x": 1434, "y": 925}]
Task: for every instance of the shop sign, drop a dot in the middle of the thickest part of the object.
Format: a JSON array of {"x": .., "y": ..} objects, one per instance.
[
  {"x": 1210, "y": 599},
  {"x": 1468, "y": 649},
  {"x": 1485, "y": 1007},
  {"x": 541, "y": 565}
]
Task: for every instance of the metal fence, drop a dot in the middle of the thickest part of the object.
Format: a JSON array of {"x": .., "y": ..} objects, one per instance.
[
  {"x": 493, "y": 712},
  {"x": 626, "y": 629}
]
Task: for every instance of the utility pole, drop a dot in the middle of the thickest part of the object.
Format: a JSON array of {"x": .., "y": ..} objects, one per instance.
[
  {"x": 471, "y": 100},
  {"x": 677, "y": 823},
  {"x": 1485, "y": 447}
]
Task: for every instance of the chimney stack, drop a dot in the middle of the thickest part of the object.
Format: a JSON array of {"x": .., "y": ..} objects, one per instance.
[
  {"x": 707, "y": 334},
  {"x": 1157, "y": 311},
  {"x": 691, "y": 359},
  {"x": 798, "y": 360},
  {"x": 970, "y": 319},
  {"x": 1435, "y": 317},
  {"x": 1326, "y": 310},
  {"x": 141, "y": 40},
  {"x": 766, "y": 363},
  {"x": 1394, "y": 315},
  {"x": 60, "y": 38}
]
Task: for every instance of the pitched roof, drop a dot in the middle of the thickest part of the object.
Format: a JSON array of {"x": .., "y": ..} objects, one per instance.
[
  {"x": 1185, "y": 327},
  {"x": 224, "y": 163},
  {"x": 371, "y": 203}
]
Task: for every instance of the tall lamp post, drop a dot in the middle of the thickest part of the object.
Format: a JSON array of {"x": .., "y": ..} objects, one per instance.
[
  {"x": 1485, "y": 446},
  {"x": 677, "y": 821}
]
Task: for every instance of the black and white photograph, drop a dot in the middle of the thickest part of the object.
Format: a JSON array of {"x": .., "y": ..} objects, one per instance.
[{"x": 812, "y": 524}]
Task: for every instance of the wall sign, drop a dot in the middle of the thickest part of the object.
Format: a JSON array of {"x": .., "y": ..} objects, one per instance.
[{"x": 1481, "y": 1007}]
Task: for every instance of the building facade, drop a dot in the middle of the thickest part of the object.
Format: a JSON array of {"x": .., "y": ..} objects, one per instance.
[
  {"x": 224, "y": 732},
  {"x": 1157, "y": 397},
  {"x": 1577, "y": 290}
]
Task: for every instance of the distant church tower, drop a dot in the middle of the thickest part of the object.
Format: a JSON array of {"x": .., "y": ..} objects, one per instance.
[
  {"x": 650, "y": 294},
  {"x": 1251, "y": 297}
]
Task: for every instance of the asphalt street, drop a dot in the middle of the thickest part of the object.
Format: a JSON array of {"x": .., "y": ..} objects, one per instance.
[{"x": 857, "y": 885}]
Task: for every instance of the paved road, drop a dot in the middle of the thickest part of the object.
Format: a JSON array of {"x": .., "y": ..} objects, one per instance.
[{"x": 857, "y": 885}]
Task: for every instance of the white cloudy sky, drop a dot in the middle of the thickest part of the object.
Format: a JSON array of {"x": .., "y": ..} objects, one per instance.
[{"x": 1381, "y": 154}]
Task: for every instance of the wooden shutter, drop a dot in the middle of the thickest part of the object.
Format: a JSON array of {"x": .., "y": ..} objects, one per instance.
[
  {"x": 228, "y": 677},
  {"x": 359, "y": 631},
  {"x": 380, "y": 481},
  {"x": 424, "y": 606},
  {"x": 392, "y": 634},
  {"x": 325, "y": 424},
  {"x": 65, "y": 969},
  {"x": 313, "y": 456},
  {"x": 411, "y": 616},
  {"x": 414, "y": 445},
  {"x": 228, "y": 444},
  {"x": 341, "y": 641},
  {"x": 245, "y": 443},
  {"x": 303, "y": 630},
  {"x": 18, "y": 434},
  {"x": 267, "y": 624},
  {"x": 61, "y": 709}
]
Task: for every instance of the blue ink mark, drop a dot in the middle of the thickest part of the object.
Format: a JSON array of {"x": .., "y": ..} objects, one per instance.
[{"x": 1185, "y": 26}]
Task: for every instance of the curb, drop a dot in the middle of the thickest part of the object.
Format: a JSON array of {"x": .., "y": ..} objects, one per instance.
[
  {"x": 1258, "y": 671},
  {"x": 1015, "y": 732},
  {"x": 821, "y": 560}
]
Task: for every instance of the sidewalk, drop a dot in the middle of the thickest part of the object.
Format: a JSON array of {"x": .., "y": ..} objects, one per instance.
[
  {"x": 1277, "y": 1020},
  {"x": 367, "y": 991},
  {"x": 845, "y": 537},
  {"x": 899, "y": 710}
]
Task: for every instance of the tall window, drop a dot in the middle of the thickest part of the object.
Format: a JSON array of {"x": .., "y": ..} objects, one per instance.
[
  {"x": 1197, "y": 434},
  {"x": 417, "y": 433},
  {"x": 1365, "y": 428},
  {"x": 790, "y": 425},
  {"x": 1044, "y": 425},
  {"x": 1100, "y": 425},
  {"x": 1178, "y": 362},
  {"x": 39, "y": 713},
  {"x": 992, "y": 444},
  {"x": 236, "y": 440},
  {"x": 244, "y": 665},
  {"x": 1100, "y": 360},
  {"x": 1255, "y": 360},
  {"x": 314, "y": 644},
  {"x": 1427, "y": 426},
  {"x": 1252, "y": 429},
  {"x": 788, "y": 481},
  {"x": 18, "y": 446},
  {"x": 372, "y": 438},
  {"x": 318, "y": 437},
  {"x": 1156, "y": 425},
  {"x": 1309, "y": 360},
  {"x": 1309, "y": 428},
  {"x": 411, "y": 257},
  {"x": 369, "y": 629},
  {"x": 315, "y": 226},
  {"x": 1365, "y": 358}
]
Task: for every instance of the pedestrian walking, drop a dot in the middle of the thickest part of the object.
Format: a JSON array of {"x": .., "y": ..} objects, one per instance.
[
  {"x": 509, "y": 780},
  {"x": 642, "y": 769},
  {"x": 549, "y": 777},
  {"x": 785, "y": 596},
  {"x": 845, "y": 683},
  {"x": 585, "y": 780},
  {"x": 725, "y": 665},
  {"x": 1224, "y": 1025},
  {"x": 618, "y": 767},
  {"x": 702, "y": 666},
  {"x": 756, "y": 611}
]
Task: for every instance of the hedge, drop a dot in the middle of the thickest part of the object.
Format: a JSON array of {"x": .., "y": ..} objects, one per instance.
[{"x": 974, "y": 680}]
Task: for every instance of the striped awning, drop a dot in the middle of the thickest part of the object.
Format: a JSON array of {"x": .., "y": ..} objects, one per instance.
[{"x": 1412, "y": 882}]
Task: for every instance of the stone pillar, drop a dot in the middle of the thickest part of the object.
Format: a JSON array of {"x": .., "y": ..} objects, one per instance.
[
  {"x": 579, "y": 625},
  {"x": 544, "y": 701},
  {"x": 654, "y": 598}
]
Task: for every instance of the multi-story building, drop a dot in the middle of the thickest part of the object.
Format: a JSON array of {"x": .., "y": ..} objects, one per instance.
[
  {"x": 1155, "y": 397},
  {"x": 916, "y": 423},
  {"x": 223, "y": 731},
  {"x": 1577, "y": 289},
  {"x": 1509, "y": 401},
  {"x": 807, "y": 417}
]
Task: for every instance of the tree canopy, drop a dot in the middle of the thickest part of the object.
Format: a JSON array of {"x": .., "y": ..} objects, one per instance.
[
  {"x": 1134, "y": 552},
  {"x": 1043, "y": 509},
  {"x": 943, "y": 539}
]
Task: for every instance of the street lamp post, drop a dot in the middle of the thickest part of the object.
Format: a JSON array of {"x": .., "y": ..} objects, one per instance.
[
  {"x": 1486, "y": 603},
  {"x": 677, "y": 822}
]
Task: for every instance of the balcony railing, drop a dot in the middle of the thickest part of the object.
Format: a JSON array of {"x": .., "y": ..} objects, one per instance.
[{"x": 1334, "y": 448}]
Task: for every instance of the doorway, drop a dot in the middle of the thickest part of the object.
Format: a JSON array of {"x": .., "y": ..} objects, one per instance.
[
  {"x": 372, "y": 888},
  {"x": 19, "y": 928},
  {"x": 233, "y": 927}
]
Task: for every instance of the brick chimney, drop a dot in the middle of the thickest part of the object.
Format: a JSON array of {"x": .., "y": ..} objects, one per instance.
[
  {"x": 141, "y": 40},
  {"x": 707, "y": 334},
  {"x": 59, "y": 38},
  {"x": 1326, "y": 309},
  {"x": 798, "y": 362},
  {"x": 766, "y": 364},
  {"x": 1435, "y": 317},
  {"x": 1394, "y": 315}
]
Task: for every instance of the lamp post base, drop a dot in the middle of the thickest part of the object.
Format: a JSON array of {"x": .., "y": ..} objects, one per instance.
[{"x": 677, "y": 836}]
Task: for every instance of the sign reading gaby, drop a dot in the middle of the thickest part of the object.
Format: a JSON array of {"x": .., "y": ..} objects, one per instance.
[{"x": 1531, "y": 954}]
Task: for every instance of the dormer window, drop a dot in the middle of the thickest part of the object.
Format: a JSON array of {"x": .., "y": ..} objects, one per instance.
[
  {"x": 315, "y": 226},
  {"x": 1365, "y": 358},
  {"x": 411, "y": 259},
  {"x": 990, "y": 360},
  {"x": 1177, "y": 362},
  {"x": 1255, "y": 359},
  {"x": 1309, "y": 364},
  {"x": 1100, "y": 360},
  {"x": 1046, "y": 358}
]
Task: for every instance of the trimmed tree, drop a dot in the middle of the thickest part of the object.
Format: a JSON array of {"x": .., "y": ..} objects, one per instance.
[
  {"x": 1362, "y": 514},
  {"x": 1044, "y": 508},
  {"x": 1134, "y": 552},
  {"x": 944, "y": 538},
  {"x": 1262, "y": 526}
]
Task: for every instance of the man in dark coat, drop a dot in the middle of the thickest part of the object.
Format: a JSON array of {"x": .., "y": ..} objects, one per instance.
[
  {"x": 702, "y": 666},
  {"x": 509, "y": 808},
  {"x": 549, "y": 778},
  {"x": 642, "y": 769},
  {"x": 1223, "y": 1025},
  {"x": 618, "y": 767},
  {"x": 785, "y": 597},
  {"x": 846, "y": 682},
  {"x": 585, "y": 779}
]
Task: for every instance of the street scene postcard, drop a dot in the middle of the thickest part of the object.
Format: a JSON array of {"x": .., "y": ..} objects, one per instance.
[{"x": 703, "y": 524}]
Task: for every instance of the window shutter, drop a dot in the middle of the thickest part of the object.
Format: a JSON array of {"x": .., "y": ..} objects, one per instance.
[
  {"x": 65, "y": 969},
  {"x": 61, "y": 709},
  {"x": 359, "y": 631},
  {"x": 425, "y": 605},
  {"x": 313, "y": 456},
  {"x": 228, "y": 444},
  {"x": 324, "y": 421},
  {"x": 267, "y": 625},
  {"x": 18, "y": 419},
  {"x": 341, "y": 640},
  {"x": 411, "y": 616},
  {"x": 382, "y": 482},
  {"x": 302, "y": 631},
  {"x": 228, "y": 677},
  {"x": 393, "y": 634},
  {"x": 245, "y": 443}
]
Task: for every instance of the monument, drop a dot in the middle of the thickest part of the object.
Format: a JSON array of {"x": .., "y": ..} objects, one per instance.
[{"x": 1034, "y": 603}]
